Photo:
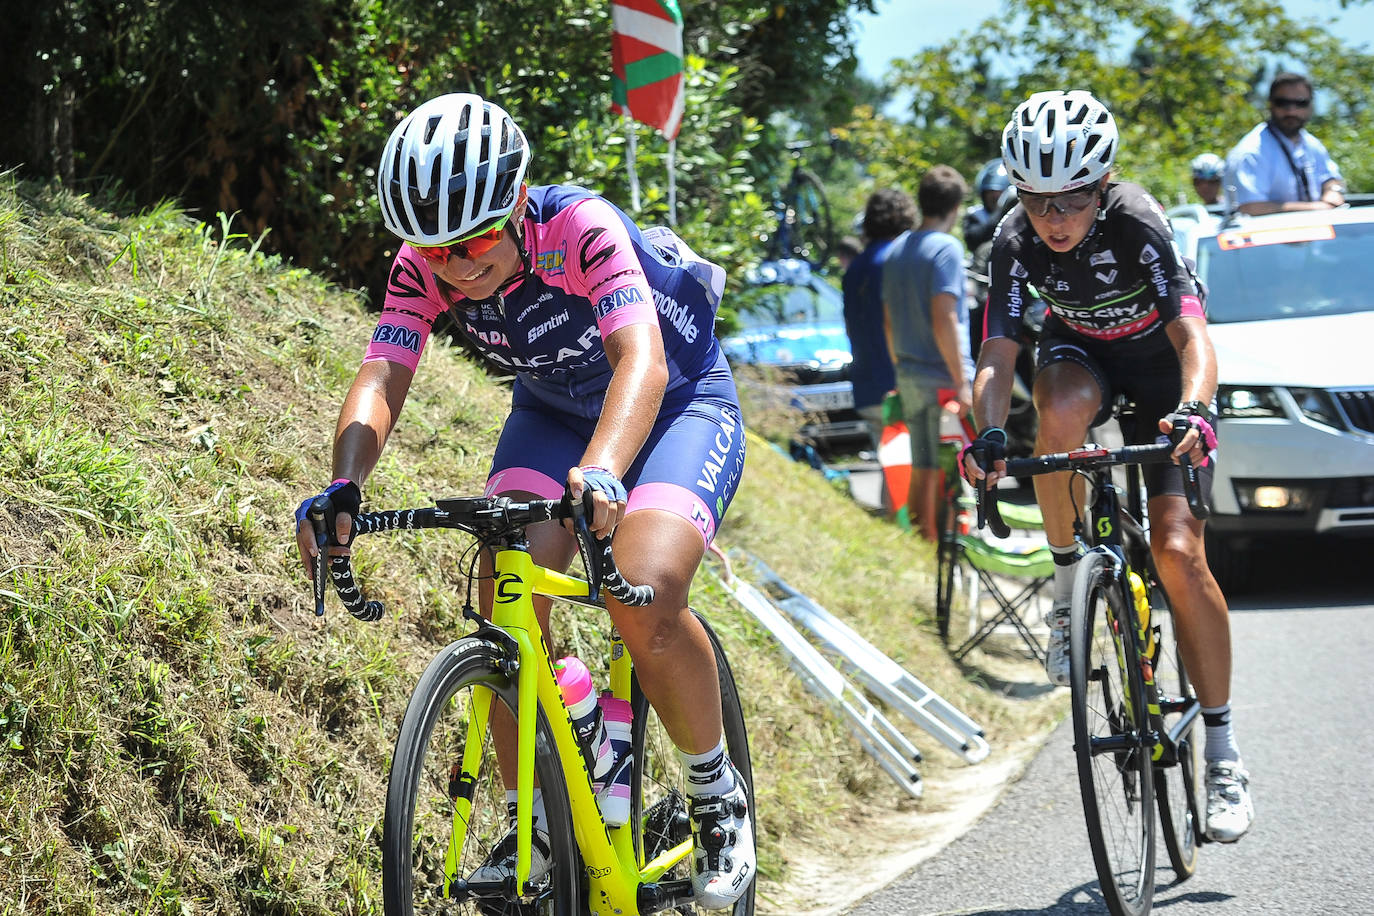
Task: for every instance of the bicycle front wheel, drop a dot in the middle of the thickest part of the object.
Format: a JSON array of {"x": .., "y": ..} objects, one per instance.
[
  {"x": 809, "y": 231},
  {"x": 1110, "y": 728},
  {"x": 424, "y": 868},
  {"x": 659, "y": 783},
  {"x": 1176, "y": 786}
]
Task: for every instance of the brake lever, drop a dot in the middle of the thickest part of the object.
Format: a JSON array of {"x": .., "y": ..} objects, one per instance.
[{"x": 319, "y": 510}]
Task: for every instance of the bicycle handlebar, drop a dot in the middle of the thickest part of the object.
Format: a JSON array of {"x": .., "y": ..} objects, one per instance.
[
  {"x": 1089, "y": 458},
  {"x": 494, "y": 515}
]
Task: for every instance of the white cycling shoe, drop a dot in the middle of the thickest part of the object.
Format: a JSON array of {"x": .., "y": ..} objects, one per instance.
[
  {"x": 1057, "y": 654},
  {"x": 723, "y": 837},
  {"x": 1230, "y": 812}
]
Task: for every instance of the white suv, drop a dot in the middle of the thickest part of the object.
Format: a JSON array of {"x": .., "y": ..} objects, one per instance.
[{"x": 1290, "y": 308}]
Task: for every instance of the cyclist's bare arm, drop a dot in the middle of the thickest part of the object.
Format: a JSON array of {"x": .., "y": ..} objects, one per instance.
[
  {"x": 992, "y": 383},
  {"x": 632, "y": 403},
  {"x": 1198, "y": 363},
  {"x": 368, "y": 414}
]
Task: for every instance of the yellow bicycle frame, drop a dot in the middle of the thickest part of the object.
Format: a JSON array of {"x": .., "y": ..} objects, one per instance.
[{"x": 614, "y": 876}]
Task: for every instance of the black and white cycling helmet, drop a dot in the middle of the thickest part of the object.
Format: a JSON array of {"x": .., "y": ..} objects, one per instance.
[
  {"x": 1209, "y": 167},
  {"x": 991, "y": 177},
  {"x": 452, "y": 168},
  {"x": 1059, "y": 141}
]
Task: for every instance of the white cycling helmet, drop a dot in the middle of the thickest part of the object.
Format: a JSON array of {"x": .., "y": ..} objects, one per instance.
[
  {"x": 1059, "y": 141},
  {"x": 452, "y": 168},
  {"x": 1208, "y": 167}
]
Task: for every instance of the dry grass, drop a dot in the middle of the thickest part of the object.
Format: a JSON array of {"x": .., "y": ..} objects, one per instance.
[{"x": 179, "y": 734}]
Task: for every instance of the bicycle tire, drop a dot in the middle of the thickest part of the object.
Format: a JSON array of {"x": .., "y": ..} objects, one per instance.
[
  {"x": 419, "y": 803},
  {"x": 1176, "y": 786},
  {"x": 946, "y": 561},
  {"x": 658, "y": 799},
  {"x": 808, "y": 227},
  {"x": 1109, "y": 704}
]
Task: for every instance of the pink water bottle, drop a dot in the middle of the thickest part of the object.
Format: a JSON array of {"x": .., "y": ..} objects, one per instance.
[
  {"x": 575, "y": 683},
  {"x": 613, "y": 792}
]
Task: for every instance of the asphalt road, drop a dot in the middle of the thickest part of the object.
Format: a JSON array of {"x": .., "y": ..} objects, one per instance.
[{"x": 1302, "y": 691}]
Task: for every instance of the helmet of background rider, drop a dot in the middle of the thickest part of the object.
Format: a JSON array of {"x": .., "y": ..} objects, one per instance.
[
  {"x": 991, "y": 177},
  {"x": 451, "y": 169},
  {"x": 1208, "y": 167},
  {"x": 1059, "y": 141}
]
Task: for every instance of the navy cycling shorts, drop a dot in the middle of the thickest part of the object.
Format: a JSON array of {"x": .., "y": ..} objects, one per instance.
[{"x": 690, "y": 465}]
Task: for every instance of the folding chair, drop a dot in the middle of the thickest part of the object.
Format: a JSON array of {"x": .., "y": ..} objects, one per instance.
[{"x": 1009, "y": 575}]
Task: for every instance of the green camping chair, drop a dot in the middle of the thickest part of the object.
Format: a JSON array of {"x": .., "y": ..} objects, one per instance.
[{"x": 973, "y": 573}]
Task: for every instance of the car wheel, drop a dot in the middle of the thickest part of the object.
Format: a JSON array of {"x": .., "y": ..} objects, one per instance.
[{"x": 1229, "y": 558}]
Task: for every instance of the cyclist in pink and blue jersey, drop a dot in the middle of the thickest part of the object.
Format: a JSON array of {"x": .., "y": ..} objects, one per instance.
[{"x": 621, "y": 394}]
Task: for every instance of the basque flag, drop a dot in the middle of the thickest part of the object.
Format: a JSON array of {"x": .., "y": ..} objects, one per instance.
[{"x": 646, "y": 62}]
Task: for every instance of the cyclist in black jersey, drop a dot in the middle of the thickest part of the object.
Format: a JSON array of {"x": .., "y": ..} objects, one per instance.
[{"x": 1125, "y": 317}]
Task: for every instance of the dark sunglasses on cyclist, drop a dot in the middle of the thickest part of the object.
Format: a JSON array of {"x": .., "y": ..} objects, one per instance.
[
  {"x": 1290, "y": 103},
  {"x": 469, "y": 249},
  {"x": 1066, "y": 202}
]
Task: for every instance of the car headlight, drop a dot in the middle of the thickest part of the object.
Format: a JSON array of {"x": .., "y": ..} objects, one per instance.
[
  {"x": 1318, "y": 406},
  {"x": 1248, "y": 402},
  {"x": 1254, "y": 496}
]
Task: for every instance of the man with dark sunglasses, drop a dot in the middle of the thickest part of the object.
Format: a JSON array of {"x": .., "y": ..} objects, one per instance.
[
  {"x": 1279, "y": 165},
  {"x": 1125, "y": 317}
]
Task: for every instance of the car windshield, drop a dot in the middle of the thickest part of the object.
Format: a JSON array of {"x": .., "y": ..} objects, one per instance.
[
  {"x": 764, "y": 306},
  {"x": 1288, "y": 272}
]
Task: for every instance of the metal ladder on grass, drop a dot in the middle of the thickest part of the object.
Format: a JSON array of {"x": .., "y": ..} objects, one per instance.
[
  {"x": 876, "y": 734},
  {"x": 884, "y": 677}
]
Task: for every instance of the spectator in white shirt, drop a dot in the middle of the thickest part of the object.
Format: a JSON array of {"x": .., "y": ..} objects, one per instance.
[{"x": 1280, "y": 166}]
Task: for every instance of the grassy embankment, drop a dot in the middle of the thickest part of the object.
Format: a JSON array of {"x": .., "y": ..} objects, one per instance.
[{"x": 178, "y": 732}]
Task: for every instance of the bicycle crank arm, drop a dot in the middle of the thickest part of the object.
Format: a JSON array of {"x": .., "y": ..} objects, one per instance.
[{"x": 656, "y": 897}]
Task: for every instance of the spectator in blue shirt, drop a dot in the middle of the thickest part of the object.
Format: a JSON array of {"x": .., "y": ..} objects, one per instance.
[
  {"x": 888, "y": 213},
  {"x": 927, "y": 311}
]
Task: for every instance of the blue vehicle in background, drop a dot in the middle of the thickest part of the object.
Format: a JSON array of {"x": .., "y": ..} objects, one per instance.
[{"x": 792, "y": 332}]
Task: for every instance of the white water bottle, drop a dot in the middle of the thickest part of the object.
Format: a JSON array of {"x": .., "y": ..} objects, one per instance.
[{"x": 575, "y": 683}]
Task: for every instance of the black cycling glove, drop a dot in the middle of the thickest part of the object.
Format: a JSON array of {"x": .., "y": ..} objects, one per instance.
[
  {"x": 344, "y": 496},
  {"x": 987, "y": 450}
]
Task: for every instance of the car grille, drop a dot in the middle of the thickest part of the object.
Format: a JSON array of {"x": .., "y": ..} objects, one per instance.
[{"x": 1358, "y": 407}]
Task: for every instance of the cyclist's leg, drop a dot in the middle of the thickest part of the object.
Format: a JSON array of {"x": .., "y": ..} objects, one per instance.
[
  {"x": 680, "y": 487},
  {"x": 1201, "y": 617},
  {"x": 1071, "y": 394}
]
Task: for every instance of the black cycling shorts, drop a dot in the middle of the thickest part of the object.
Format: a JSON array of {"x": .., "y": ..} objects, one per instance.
[{"x": 1154, "y": 386}]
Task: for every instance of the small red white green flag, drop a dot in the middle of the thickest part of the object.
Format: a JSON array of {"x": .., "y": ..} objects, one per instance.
[{"x": 646, "y": 62}]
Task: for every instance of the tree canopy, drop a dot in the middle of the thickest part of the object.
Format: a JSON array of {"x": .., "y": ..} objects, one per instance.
[{"x": 1181, "y": 79}]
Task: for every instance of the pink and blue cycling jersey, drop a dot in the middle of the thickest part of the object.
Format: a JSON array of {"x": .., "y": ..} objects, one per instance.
[{"x": 593, "y": 272}]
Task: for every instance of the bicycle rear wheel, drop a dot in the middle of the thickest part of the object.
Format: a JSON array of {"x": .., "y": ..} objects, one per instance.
[
  {"x": 658, "y": 800},
  {"x": 426, "y": 783},
  {"x": 809, "y": 231},
  {"x": 1109, "y": 724},
  {"x": 1176, "y": 786}
]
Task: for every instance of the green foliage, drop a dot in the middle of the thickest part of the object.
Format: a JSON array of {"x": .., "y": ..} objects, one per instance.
[
  {"x": 278, "y": 112},
  {"x": 1179, "y": 83}
]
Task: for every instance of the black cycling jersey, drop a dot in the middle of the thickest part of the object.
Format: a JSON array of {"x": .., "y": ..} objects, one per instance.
[{"x": 1116, "y": 289}]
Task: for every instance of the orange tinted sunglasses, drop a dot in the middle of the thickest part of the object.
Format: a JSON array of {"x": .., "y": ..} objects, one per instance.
[{"x": 468, "y": 249}]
